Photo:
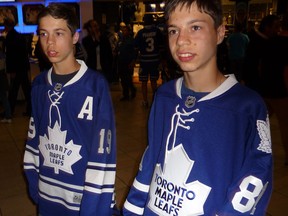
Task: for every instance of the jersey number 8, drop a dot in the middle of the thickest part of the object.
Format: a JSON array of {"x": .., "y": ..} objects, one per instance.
[{"x": 245, "y": 199}]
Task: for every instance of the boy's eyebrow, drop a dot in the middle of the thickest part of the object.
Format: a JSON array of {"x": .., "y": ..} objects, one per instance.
[
  {"x": 57, "y": 29},
  {"x": 189, "y": 22},
  {"x": 61, "y": 29}
]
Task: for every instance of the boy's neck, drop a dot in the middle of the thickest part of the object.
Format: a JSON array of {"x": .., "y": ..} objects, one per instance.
[
  {"x": 203, "y": 83},
  {"x": 66, "y": 68}
]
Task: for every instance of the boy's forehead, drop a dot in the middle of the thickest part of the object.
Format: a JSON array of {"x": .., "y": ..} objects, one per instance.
[
  {"x": 191, "y": 10},
  {"x": 51, "y": 19},
  {"x": 51, "y": 22},
  {"x": 185, "y": 8}
]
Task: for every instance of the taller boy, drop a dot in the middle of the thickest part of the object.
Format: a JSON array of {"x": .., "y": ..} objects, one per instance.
[
  {"x": 70, "y": 155},
  {"x": 209, "y": 147}
]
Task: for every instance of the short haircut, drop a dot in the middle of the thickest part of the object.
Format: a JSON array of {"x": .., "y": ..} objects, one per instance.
[
  {"x": 89, "y": 24},
  {"x": 210, "y": 7},
  {"x": 61, "y": 11},
  {"x": 9, "y": 23},
  {"x": 148, "y": 19},
  {"x": 268, "y": 21}
]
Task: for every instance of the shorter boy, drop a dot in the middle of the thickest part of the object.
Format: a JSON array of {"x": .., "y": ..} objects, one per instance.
[{"x": 70, "y": 155}]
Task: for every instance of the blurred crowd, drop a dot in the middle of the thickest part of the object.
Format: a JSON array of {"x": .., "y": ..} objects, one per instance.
[{"x": 256, "y": 55}]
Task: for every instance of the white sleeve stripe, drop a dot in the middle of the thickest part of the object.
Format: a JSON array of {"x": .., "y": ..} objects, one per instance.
[
  {"x": 30, "y": 158},
  {"x": 100, "y": 177},
  {"x": 30, "y": 167},
  {"x": 36, "y": 151},
  {"x": 75, "y": 187},
  {"x": 61, "y": 202},
  {"x": 101, "y": 164},
  {"x": 132, "y": 208},
  {"x": 99, "y": 191},
  {"x": 139, "y": 186},
  {"x": 59, "y": 193}
]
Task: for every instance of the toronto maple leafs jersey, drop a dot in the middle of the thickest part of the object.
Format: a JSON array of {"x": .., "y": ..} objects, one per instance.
[
  {"x": 206, "y": 156},
  {"x": 70, "y": 155},
  {"x": 149, "y": 42}
]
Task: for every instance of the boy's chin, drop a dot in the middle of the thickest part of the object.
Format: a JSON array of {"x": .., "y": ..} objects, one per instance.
[{"x": 187, "y": 68}]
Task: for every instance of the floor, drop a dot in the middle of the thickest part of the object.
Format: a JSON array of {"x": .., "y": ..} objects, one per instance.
[{"x": 131, "y": 123}]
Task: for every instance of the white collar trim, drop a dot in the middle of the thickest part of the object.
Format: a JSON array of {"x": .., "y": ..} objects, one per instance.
[
  {"x": 225, "y": 86},
  {"x": 80, "y": 73}
]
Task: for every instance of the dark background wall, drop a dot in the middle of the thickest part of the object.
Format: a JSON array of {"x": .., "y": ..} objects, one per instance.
[
  {"x": 107, "y": 10},
  {"x": 282, "y": 7}
]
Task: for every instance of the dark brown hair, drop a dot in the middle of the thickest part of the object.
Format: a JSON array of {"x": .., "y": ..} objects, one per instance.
[
  {"x": 61, "y": 11},
  {"x": 210, "y": 7}
]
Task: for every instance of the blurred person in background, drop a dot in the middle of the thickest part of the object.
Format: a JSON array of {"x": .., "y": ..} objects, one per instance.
[
  {"x": 149, "y": 43},
  {"x": 252, "y": 75},
  {"x": 126, "y": 62},
  {"x": 275, "y": 80},
  {"x": 98, "y": 49},
  {"x": 237, "y": 43},
  {"x": 4, "y": 86},
  {"x": 17, "y": 66}
]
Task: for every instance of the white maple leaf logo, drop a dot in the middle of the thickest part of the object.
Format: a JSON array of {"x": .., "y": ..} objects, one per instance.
[
  {"x": 263, "y": 128},
  {"x": 170, "y": 194},
  {"x": 58, "y": 154}
]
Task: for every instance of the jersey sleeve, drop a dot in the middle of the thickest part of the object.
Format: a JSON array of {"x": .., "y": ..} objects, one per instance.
[
  {"x": 98, "y": 195},
  {"x": 31, "y": 154},
  {"x": 31, "y": 161},
  {"x": 250, "y": 191}
]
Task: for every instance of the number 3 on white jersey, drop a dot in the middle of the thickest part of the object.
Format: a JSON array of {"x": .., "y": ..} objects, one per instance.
[{"x": 245, "y": 199}]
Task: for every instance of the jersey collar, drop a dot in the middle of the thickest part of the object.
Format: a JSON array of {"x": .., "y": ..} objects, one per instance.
[
  {"x": 225, "y": 86},
  {"x": 80, "y": 73}
]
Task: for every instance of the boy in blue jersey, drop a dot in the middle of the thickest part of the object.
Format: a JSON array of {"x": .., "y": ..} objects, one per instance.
[
  {"x": 70, "y": 155},
  {"x": 209, "y": 149},
  {"x": 149, "y": 44}
]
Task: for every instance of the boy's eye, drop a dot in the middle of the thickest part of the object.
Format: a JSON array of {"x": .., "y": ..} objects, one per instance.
[
  {"x": 172, "y": 31},
  {"x": 42, "y": 34},
  {"x": 196, "y": 28}
]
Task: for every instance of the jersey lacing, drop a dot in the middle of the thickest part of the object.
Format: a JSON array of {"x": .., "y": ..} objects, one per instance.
[{"x": 55, "y": 98}]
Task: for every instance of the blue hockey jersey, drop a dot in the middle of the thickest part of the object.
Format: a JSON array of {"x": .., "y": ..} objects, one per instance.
[
  {"x": 206, "y": 156},
  {"x": 149, "y": 42},
  {"x": 70, "y": 155}
]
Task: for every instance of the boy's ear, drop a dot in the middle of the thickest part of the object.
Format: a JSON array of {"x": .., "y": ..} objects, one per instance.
[
  {"x": 75, "y": 37},
  {"x": 220, "y": 33}
]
